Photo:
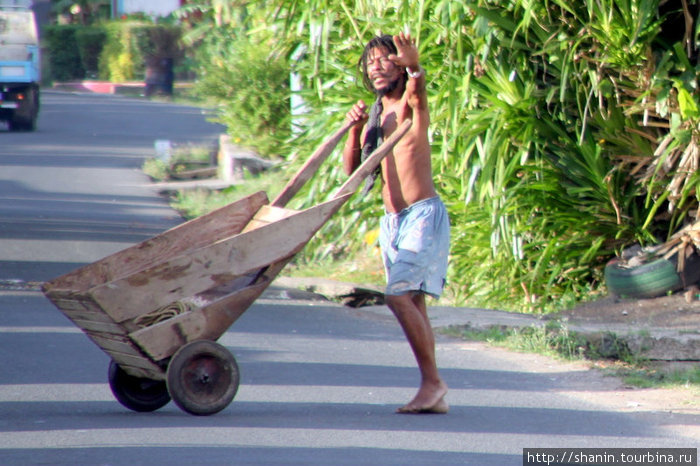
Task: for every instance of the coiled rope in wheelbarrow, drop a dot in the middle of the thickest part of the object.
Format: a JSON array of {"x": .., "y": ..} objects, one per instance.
[{"x": 164, "y": 313}]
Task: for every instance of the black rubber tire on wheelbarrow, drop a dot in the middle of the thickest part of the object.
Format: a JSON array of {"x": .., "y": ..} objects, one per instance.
[
  {"x": 136, "y": 393},
  {"x": 203, "y": 377}
]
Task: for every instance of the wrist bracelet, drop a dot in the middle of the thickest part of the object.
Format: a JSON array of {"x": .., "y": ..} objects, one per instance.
[{"x": 417, "y": 74}]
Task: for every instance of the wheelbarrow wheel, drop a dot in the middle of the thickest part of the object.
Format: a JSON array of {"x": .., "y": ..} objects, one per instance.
[
  {"x": 137, "y": 393},
  {"x": 203, "y": 377}
]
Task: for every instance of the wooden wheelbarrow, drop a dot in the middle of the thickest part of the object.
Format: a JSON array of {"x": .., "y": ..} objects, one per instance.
[{"x": 158, "y": 307}]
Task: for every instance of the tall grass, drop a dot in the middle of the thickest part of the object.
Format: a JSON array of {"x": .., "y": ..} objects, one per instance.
[{"x": 561, "y": 131}]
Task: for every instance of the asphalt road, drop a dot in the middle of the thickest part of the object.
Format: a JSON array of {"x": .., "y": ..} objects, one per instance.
[
  {"x": 74, "y": 190},
  {"x": 319, "y": 382}
]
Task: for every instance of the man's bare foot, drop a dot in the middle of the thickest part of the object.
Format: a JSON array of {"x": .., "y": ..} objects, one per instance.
[
  {"x": 441, "y": 407},
  {"x": 427, "y": 401}
]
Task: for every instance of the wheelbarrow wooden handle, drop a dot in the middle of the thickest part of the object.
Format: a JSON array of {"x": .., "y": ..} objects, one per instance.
[
  {"x": 372, "y": 162},
  {"x": 311, "y": 166}
]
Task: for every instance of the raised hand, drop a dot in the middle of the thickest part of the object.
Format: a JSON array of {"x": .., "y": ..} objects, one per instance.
[{"x": 406, "y": 52}]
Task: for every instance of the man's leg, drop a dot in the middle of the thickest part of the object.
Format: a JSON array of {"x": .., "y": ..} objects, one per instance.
[{"x": 411, "y": 312}]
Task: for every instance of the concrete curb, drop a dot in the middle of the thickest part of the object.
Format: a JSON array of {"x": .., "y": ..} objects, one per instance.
[
  {"x": 655, "y": 344},
  {"x": 95, "y": 86}
]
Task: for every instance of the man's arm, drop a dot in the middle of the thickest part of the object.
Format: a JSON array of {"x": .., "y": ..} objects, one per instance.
[
  {"x": 407, "y": 56},
  {"x": 352, "y": 151}
]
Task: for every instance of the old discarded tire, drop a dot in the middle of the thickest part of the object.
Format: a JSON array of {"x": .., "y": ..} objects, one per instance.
[
  {"x": 644, "y": 281},
  {"x": 203, "y": 377},
  {"x": 136, "y": 393}
]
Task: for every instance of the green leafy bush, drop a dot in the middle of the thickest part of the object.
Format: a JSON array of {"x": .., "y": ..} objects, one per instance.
[
  {"x": 74, "y": 50},
  {"x": 121, "y": 60},
  {"x": 90, "y": 41},
  {"x": 157, "y": 41},
  {"x": 64, "y": 54},
  {"x": 115, "y": 50},
  {"x": 561, "y": 131},
  {"x": 549, "y": 127},
  {"x": 250, "y": 81},
  {"x": 129, "y": 45}
]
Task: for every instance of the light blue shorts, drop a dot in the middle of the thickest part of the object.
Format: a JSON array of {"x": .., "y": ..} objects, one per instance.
[{"x": 415, "y": 243}]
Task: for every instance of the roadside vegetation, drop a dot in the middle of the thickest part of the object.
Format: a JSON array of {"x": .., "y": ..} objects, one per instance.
[
  {"x": 562, "y": 131},
  {"x": 608, "y": 353}
]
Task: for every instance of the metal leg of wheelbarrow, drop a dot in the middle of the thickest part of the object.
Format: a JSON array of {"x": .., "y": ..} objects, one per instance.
[
  {"x": 203, "y": 377},
  {"x": 137, "y": 393}
]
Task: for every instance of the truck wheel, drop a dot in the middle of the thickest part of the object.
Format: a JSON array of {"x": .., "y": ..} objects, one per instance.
[
  {"x": 26, "y": 122},
  {"x": 21, "y": 124}
]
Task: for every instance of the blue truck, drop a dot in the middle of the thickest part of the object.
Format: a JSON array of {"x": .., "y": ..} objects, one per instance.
[{"x": 20, "y": 70}]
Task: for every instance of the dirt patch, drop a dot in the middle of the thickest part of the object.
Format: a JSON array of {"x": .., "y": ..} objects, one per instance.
[{"x": 679, "y": 310}]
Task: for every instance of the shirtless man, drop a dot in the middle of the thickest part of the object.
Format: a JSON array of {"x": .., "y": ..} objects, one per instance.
[{"x": 414, "y": 234}]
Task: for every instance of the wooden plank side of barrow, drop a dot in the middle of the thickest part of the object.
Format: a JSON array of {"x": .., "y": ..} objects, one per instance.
[
  {"x": 211, "y": 266},
  {"x": 163, "y": 339},
  {"x": 212, "y": 227},
  {"x": 109, "y": 336}
]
